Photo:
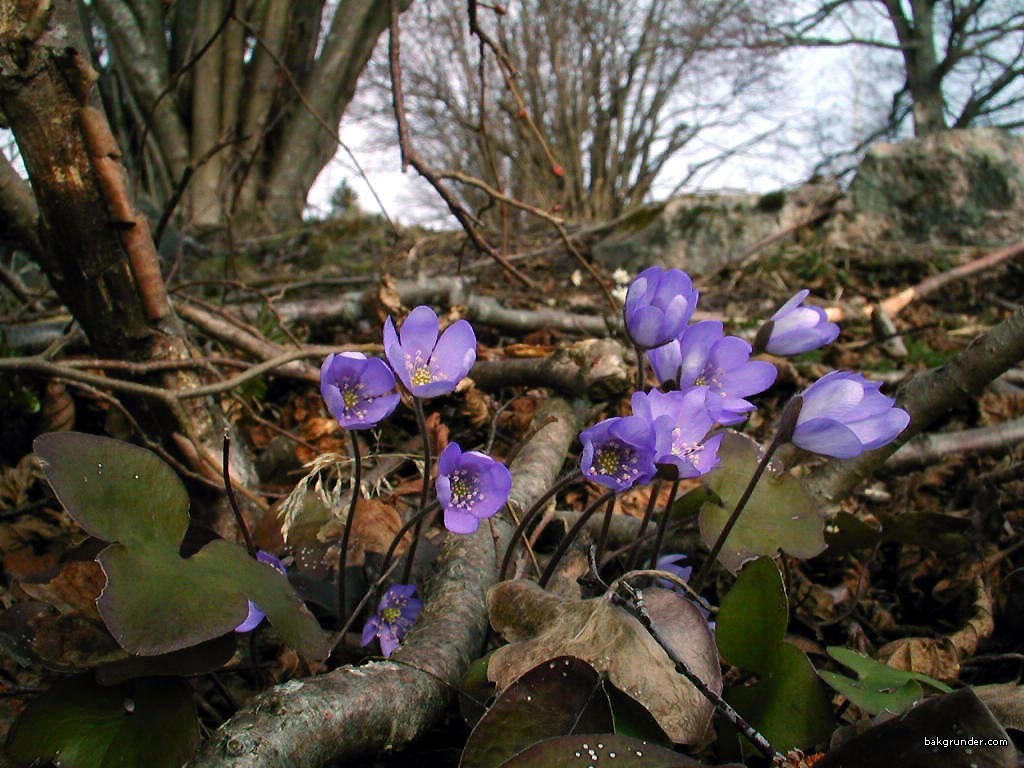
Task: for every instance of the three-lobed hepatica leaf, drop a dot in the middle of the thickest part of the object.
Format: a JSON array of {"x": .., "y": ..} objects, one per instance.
[
  {"x": 779, "y": 515},
  {"x": 80, "y": 724},
  {"x": 878, "y": 686},
  {"x": 154, "y": 600},
  {"x": 788, "y": 704}
]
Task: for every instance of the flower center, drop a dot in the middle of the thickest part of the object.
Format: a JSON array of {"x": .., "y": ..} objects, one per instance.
[
  {"x": 680, "y": 448},
  {"x": 422, "y": 375},
  {"x": 465, "y": 489},
  {"x": 391, "y": 615},
  {"x": 616, "y": 460},
  {"x": 350, "y": 396}
]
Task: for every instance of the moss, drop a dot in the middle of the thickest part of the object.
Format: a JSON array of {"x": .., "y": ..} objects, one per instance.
[
  {"x": 640, "y": 218},
  {"x": 771, "y": 202}
]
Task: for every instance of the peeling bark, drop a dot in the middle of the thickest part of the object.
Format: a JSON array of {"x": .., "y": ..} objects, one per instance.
[{"x": 356, "y": 711}]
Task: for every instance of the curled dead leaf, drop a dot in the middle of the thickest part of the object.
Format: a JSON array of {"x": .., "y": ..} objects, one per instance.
[
  {"x": 540, "y": 626},
  {"x": 375, "y": 528}
]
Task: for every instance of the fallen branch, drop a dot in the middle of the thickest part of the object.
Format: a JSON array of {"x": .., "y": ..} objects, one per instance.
[
  {"x": 925, "y": 449},
  {"x": 927, "y": 397},
  {"x": 356, "y": 711},
  {"x": 899, "y": 301}
]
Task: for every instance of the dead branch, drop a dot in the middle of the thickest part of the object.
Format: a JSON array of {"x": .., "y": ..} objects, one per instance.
[
  {"x": 355, "y": 711},
  {"x": 899, "y": 301},
  {"x": 927, "y": 397},
  {"x": 925, "y": 449}
]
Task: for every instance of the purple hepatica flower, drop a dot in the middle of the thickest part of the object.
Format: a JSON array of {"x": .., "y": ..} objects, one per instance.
[
  {"x": 670, "y": 563},
  {"x": 681, "y": 422},
  {"x": 255, "y": 614},
  {"x": 396, "y": 613},
  {"x": 619, "y": 452},
  {"x": 843, "y": 414},
  {"x": 796, "y": 328},
  {"x": 359, "y": 391},
  {"x": 427, "y": 365},
  {"x": 471, "y": 487},
  {"x": 659, "y": 304},
  {"x": 705, "y": 356}
]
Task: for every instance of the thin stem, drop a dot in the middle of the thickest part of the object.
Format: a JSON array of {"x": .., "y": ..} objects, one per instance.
[
  {"x": 602, "y": 540},
  {"x": 531, "y": 515},
  {"x": 226, "y": 462},
  {"x": 663, "y": 522},
  {"x": 566, "y": 542},
  {"x": 638, "y": 609},
  {"x": 397, "y": 539},
  {"x": 357, "y": 479},
  {"x": 421, "y": 422},
  {"x": 648, "y": 514},
  {"x": 705, "y": 569}
]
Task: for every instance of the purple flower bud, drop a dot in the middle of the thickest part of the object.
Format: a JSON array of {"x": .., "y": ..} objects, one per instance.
[
  {"x": 659, "y": 304},
  {"x": 703, "y": 356},
  {"x": 619, "y": 452},
  {"x": 359, "y": 391},
  {"x": 427, "y": 365},
  {"x": 843, "y": 414},
  {"x": 681, "y": 423},
  {"x": 396, "y": 613},
  {"x": 797, "y": 328},
  {"x": 255, "y": 614},
  {"x": 471, "y": 487}
]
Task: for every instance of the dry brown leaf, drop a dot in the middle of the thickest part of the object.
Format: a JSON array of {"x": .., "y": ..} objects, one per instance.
[
  {"x": 540, "y": 626},
  {"x": 478, "y": 407},
  {"x": 73, "y": 591},
  {"x": 375, "y": 529},
  {"x": 941, "y": 657},
  {"x": 1005, "y": 701},
  {"x": 438, "y": 432},
  {"x": 528, "y": 350},
  {"x": 15, "y": 482}
]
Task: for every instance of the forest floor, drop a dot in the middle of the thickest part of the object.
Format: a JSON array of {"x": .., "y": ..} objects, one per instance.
[{"x": 924, "y": 567}]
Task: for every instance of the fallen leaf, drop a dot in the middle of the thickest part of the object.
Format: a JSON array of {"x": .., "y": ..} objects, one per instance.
[{"x": 540, "y": 627}]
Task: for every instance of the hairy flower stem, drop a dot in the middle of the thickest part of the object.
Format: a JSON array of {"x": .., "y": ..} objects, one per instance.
[
  {"x": 229, "y": 489},
  {"x": 531, "y": 514},
  {"x": 602, "y": 540},
  {"x": 357, "y": 480},
  {"x": 639, "y": 368},
  {"x": 663, "y": 523},
  {"x": 705, "y": 569},
  {"x": 421, "y": 422},
  {"x": 567, "y": 541},
  {"x": 418, "y": 518},
  {"x": 634, "y": 556}
]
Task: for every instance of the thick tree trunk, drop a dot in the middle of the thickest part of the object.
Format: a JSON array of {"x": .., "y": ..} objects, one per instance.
[{"x": 924, "y": 77}]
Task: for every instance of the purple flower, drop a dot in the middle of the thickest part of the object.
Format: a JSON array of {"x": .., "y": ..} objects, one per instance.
[
  {"x": 659, "y": 304},
  {"x": 359, "y": 391},
  {"x": 681, "y": 422},
  {"x": 619, "y": 452},
  {"x": 704, "y": 356},
  {"x": 255, "y": 614},
  {"x": 396, "y": 613},
  {"x": 427, "y": 365},
  {"x": 471, "y": 487},
  {"x": 843, "y": 414},
  {"x": 670, "y": 563},
  {"x": 796, "y": 328}
]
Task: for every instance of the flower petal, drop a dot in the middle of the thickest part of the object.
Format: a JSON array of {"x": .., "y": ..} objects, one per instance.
[
  {"x": 455, "y": 352},
  {"x": 458, "y": 521},
  {"x": 419, "y": 332},
  {"x": 829, "y": 438}
]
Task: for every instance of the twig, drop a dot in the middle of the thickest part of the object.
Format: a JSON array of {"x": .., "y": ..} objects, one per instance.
[
  {"x": 411, "y": 157},
  {"x": 926, "y": 449}
]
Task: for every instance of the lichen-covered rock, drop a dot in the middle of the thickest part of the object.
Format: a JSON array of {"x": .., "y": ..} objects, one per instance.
[
  {"x": 962, "y": 187},
  {"x": 702, "y": 233}
]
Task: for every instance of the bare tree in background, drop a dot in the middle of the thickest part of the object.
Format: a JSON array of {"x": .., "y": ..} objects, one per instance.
[
  {"x": 593, "y": 100},
  {"x": 236, "y": 103},
  {"x": 963, "y": 60}
]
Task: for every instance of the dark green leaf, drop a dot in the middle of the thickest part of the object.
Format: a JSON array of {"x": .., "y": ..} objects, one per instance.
[
  {"x": 149, "y": 722},
  {"x": 196, "y": 660},
  {"x": 753, "y": 617},
  {"x": 910, "y": 740},
  {"x": 155, "y": 601},
  {"x": 589, "y": 749},
  {"x": 633, "y": 719},
  {"x": 475, "y": 691},
  {"x": 557, "y": 698}
]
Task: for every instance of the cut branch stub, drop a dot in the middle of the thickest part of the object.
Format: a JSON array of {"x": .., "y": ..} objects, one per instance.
[{"x": 154, "y": 600}]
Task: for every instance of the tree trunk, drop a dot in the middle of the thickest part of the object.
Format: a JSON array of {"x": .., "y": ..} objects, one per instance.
[{"x": 924, "y": 77}]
